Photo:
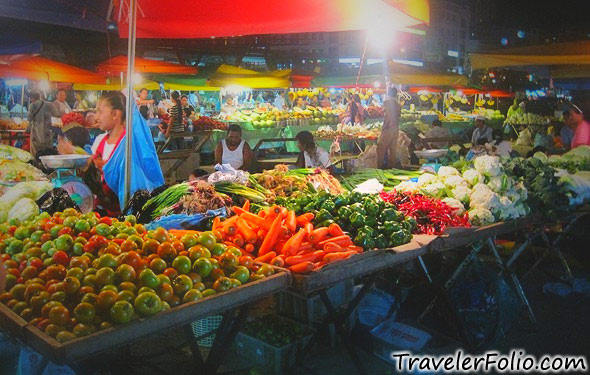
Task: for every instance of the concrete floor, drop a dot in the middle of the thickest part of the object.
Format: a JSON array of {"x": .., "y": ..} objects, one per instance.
[{"x": 563, "y": 328}]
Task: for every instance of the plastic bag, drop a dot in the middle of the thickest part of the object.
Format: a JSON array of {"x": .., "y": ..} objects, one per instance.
[
  {"x": 226, "y": 173},
  {"x": 137, "y": 201},
  {"x": 56, "y": 200},
  {"x": 23, "y": 210},
  {"x": 182, "y": 221},
  {"x": 484, "y": 303}
]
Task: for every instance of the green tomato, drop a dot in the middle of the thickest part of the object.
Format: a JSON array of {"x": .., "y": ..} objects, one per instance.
[{"x": 122, "y": 312}]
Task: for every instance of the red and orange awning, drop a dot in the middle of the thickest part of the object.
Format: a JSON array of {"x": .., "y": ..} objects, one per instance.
[
  {"x": 116, "y": 65},
  {"x": 41, "y": 69}
]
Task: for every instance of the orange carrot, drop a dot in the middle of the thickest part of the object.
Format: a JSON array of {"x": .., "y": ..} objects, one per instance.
[
  {"x": 216, "y": 223},
  {"x": 248, "y": 216},
  {"x": 261, "y": 233},
  {"x": 309, "y": 257},
  {"x": 332, "y": 247},
  {"x": 358, "y": 249},
  {"x": 318, "y": 235},
  {"x": 305, "y": 218},
  {"x": 273, "y": 211},
  {"x": 284, "y": 211},
  {"x": 246, "y": 206},
  {"x": 308, "y": 228},
  {"x": 335, "y": 230},
  {"x": 331, "y": 257},
  {"x": 340, "y": 240},
  {"x": 181, "y": 232},
  {"x": 293, "y": 243},
  {"x": 248, "y": 234},
  {"x": 262, "y": 214},
  {"x": 319, "y": 265},
  {"x": 249, "y": 248},
  {"x": 303, "y": 267},
  {"x": 271, "y": 237},
  {"x": 291, "y": 221},
  {"x": 285, "y": 232},
  {"x": 266, "y": 257},
  {"x": 229, "y": 226},
  {"x": 305, "y": 247},
  {"x": 278, "y": 261}
]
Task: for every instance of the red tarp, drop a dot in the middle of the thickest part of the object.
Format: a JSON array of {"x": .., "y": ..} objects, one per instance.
[
  {"x": 224, "y": 18},
  {"x": 116, "y": 65},
  {"x": 301, "y": 81},
  {"x": 39, "y": 68}
]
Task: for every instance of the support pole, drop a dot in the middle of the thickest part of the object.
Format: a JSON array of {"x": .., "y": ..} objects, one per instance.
[{"x": 130, "y": 99}]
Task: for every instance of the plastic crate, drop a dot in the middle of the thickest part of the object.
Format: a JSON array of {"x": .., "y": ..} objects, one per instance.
[
  {"x": 311, "y": 309},
  {"x": 272, "y": 359},
  {"x": 204, "y": 326}
]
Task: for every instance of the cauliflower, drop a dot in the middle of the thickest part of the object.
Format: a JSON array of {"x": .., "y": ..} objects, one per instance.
[
  {"x": 436, "y": 189},
  {"x": 453, "y": 181},
  {"x": 426, "y": 178},
  {"x": 499, "y": 183},
  {"x": 480, "y": 216},
  {"x": 483, "y": 197},
  {"x": 472, "y": 177},
  {"x": 513, "y": 195},
  {"x": 445, "y": 171},
  {"x": 506, "y": 210},
  {"x": 488, "y": 165},
  {"x": 462, "y": 193},
  {"x": 460, "y": 209},
  {"x": 407, "y": 186}
]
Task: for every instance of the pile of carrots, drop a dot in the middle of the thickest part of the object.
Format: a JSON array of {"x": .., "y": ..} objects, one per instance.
[{"x": 279, "y": 237}]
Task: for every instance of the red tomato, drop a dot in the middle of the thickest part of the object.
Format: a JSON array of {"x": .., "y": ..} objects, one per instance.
[
  {"x": 65, "y": 230},
  {"x": 61, "y": 257},
  {"x": 106, "y": 220}
]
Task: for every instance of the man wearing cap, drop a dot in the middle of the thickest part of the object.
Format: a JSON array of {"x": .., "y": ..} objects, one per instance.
[{"x": 482, "y": 131}]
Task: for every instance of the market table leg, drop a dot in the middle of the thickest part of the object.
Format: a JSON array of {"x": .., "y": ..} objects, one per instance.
[
  {"x": 476, "y": 248},
  {"x": 517, "y": 285},
  {"x": 225, "y": 336},
  {"x": 198, "y": 361}
]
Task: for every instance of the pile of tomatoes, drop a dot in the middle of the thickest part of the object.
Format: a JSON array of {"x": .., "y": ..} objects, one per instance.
[{"x": 72, "y": 274}]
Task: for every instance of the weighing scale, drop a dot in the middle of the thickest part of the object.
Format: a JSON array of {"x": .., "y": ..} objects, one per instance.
[
  {"x": 66, "y": 177},
  {"x": 432, "y": 156}
]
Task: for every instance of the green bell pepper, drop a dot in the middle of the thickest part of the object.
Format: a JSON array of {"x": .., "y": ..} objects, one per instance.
[
  {"x": 357, "y": 219},
  {"x": 310, "y": 207},
  {"x": 371, "y": 208},
  {"x": 356, "y": 197},
  {"x": 381, "y": 242},
  {"x": 303, "y": 200},
  {"x": 341, "y": 200},
  {"x": 390, "y": 214},
  {"x": 397, "y": 238},
  {"x": 323, "y": 215},
  {"x": 365, "y": 241},
  {"x": 344, "y": 212},
  {"x": 356, "y": 207},
  {"x": 329, "y": 205},
  {"x": 325, "y": 223},
  {"x": 390, "y": 227}
]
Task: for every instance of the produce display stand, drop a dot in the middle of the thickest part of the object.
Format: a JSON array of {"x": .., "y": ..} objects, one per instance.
[
  {"x": 368, "y": 263},
  {"x": 476, "y": 238},
  {"x": 566, "y": 222},
  {"x": 78, "y": 352},
  {"x": 13, "y": 135},
  {"x": 199, "y": 138}
]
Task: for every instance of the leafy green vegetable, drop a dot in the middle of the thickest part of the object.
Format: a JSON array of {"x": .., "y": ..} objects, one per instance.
[{"x": 241, "y": 190}]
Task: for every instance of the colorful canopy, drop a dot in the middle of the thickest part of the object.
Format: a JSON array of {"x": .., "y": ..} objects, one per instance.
[
  {"x": 116, "y": 65},
  {"x": 227, "y": 75},
  {"x": 409, "y": 75},
  {"x": 39, "y": 69},
  {"x": 150, "y": 85},
  {"x": 224, "y": 18},
  {"x": 549, "y": 54},
  {"x": 301, "y": 81}
]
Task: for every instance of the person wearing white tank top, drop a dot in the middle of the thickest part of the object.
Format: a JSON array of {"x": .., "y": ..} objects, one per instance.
[{"x": 234, "y": 150}]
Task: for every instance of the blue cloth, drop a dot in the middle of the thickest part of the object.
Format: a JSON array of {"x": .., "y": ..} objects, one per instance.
[
  {"x": 566, "y": 135},
  {"x": 181, "y": 221},
  {"x": 146, "y": 172}
]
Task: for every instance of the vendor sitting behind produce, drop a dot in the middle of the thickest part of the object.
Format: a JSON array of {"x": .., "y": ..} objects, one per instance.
[
  {"x": 311, "y": 156},
  {"x": 437, "y": 131},
  {"x": 574, "y": 118},
  {"x": 234, "y": 150},
  {"x": 482, "y": 131},
  {"x": 186, "y": 107}
]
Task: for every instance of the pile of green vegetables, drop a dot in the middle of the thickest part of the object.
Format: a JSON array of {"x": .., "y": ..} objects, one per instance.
[
  {"x": 275, "y": 331},
  {"x": 371, "y": 222},
  {"x": 545, "y": 193},
  {"x": 389, "y": 178}
]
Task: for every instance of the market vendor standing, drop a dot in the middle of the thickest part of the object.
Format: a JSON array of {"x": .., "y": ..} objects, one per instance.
[
  {"x": 387, "y": 142},
  {"x": 60, "y": 103},
  {"x": 186, "y": 107},
  {"x": 311, "y": 156},
  {"x": 228, "y": 108},
  {"x": 146, "y": 106},
  {"x": 482, "y": 131},
  {"x": 234, "y": 150},
  {"x": 40, "y": 113},
  {"x": 574, "y": 118}
]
